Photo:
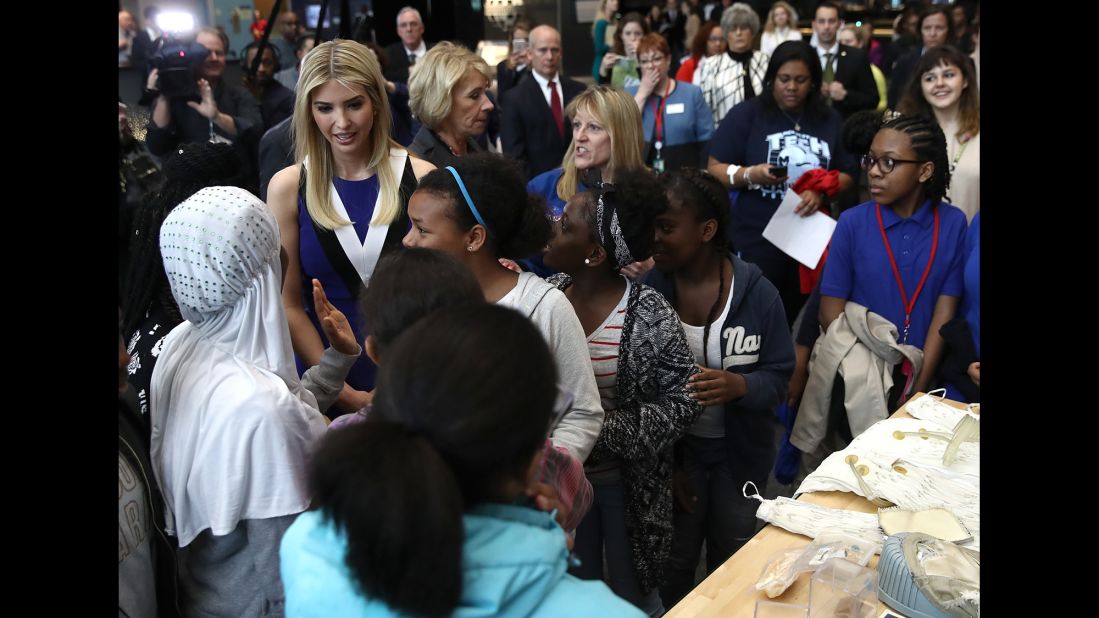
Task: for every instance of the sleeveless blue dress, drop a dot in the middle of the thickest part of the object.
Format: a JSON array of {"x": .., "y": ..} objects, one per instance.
[{"x": 359, "y": 198}]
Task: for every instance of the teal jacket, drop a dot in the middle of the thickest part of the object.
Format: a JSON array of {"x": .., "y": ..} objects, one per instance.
[{"x": 514, "y": 564}]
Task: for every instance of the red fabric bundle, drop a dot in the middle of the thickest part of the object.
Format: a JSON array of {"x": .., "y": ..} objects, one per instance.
[
  {"x": 828, "y": 183},
  {"x": 821, "y": 181}
]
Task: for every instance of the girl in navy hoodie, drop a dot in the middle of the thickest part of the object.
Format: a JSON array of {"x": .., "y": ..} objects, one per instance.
[{"x": 736, "y": 327}]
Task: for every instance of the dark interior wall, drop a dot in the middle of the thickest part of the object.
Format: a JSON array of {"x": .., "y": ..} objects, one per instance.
[
  {"x": 576, "y": 41},
  {"x": 445, "y": 20}
]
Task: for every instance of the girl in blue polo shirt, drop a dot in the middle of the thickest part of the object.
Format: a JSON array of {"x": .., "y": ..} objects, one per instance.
[{"x": 902, "y": 254}]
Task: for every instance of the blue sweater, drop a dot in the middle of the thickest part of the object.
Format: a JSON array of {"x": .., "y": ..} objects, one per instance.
[
  {"x": 756, "y": 337},
  {"x": 513, "y": 564}
]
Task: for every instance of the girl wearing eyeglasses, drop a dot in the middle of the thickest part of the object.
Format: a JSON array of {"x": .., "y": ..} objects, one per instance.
[
  {"x": 790, "y": 130},
  {"x": 901, "y": 256}
]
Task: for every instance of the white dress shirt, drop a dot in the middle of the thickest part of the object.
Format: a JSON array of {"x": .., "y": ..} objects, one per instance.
[{"x": 543, "y": 83}]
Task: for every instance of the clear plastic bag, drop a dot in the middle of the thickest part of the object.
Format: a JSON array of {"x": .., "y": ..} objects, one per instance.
[{"x": 783, "y": 568}]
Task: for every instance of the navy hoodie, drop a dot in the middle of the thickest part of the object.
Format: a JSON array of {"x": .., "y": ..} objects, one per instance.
[{"x": 755, "y": 327}]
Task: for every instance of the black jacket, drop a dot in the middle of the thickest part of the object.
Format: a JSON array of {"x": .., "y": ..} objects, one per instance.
[
  {"x": 958, "y": 353},
  {"x": 397, "y": 69},
  {"x": 506, "y": 78},
  {"x": 528, "y": 132},
  {"x": 133, "y": 445},
  {"x": 756, "y": 343},
  {"x": 852, "y": 69},
  {"x": 903, "y": 72},
  {"x": 430, "y": 148}
]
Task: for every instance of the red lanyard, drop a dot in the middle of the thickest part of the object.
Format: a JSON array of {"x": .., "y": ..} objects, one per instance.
[
  {"x": 909, "y": 305},
  {"x": 658, "y": 135}
]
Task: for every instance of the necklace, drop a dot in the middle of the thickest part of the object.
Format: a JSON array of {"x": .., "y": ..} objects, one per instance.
[
  {"x": 797, "y": 123},
  {"x": 964, "y": 141}
]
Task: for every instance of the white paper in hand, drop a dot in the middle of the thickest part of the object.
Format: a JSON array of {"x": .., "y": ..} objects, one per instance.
[{"x": 802, "y": 238}]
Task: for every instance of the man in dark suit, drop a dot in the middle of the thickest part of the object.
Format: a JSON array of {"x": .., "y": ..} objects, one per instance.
[
  {"x": 848, "y": 83},
  {"x": 535, "y": 130},
  {"x": 410, "y": 49},
  {"x": 673, "y": 27}
]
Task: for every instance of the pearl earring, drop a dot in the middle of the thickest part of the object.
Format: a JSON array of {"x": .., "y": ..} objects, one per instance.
[
  {"x": 587, "y": 261},
  {"x": 469, "y": 248}
]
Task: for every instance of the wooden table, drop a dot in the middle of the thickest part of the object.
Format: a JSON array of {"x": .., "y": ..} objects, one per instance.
[{"x": 730, "y": 590}]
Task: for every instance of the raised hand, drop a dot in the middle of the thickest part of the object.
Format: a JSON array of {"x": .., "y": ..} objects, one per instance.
[{"x": 336, "y": 327}]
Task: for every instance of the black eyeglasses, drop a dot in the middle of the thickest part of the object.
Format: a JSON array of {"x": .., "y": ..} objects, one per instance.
[{"x": 885, "y": 164}]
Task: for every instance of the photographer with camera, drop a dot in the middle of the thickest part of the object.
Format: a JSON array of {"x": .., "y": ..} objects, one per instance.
[{"x": 194, "y": 103}]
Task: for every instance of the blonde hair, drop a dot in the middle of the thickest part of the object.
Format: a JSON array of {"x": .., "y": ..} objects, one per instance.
[
  {"x": 854, "y": 31},
  {"x": 601, "y": 13},
  {"x": 431, "y": 89},
  {"x": 619, "y": 115},
  {"x": 351, "y": 64},
  {"x": 791, "y": 17}
]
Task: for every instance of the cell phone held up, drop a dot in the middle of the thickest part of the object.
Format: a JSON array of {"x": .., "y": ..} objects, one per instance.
[{"x": 778, "y": 171}]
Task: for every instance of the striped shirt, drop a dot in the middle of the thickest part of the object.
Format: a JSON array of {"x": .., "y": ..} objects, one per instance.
[
  {"x": 603, "y": 349},
  {"x": 603, "y": 346}
]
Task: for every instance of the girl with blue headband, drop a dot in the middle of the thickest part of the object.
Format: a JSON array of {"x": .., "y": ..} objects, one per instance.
[{"x": 478, "y": 211}]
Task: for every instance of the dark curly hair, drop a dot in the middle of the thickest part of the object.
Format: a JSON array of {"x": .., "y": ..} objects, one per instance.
[
  {"x": 638, "y": 198},
  {"x": 518, "y": 224},
  {"x": 186, "y": 170}
]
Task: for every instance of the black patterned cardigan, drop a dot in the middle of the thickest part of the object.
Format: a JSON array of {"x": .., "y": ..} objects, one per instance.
[{"x": 654, "y": 411}]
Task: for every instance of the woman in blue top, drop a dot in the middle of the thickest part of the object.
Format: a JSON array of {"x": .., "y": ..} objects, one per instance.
[
  {"x": 674, "y": 115},
  {"x": 901, "y": 255},
  {"x": 423, "y": 509},
  {"x": 606, "y": 136},
  {"x": 966, "y": 341},
  {"x": 344, "y": 203},
  {"x": 789, "y": 126}
]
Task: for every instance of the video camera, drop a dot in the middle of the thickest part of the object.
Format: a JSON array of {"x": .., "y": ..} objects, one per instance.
[{"x": 178, "y": 64}]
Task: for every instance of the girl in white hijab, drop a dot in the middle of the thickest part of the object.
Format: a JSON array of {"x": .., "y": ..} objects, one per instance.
[{"x": 233, "y": 425}]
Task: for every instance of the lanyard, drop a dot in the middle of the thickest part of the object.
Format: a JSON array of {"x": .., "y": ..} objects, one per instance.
[
  {"x": 958, "y": 156},
  {"x": 658, "y": 114},
  {"x": 909, "y": 305}
]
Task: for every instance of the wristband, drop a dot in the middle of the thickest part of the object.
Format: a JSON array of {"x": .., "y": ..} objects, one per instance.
[{"x": 733, "y": 169}]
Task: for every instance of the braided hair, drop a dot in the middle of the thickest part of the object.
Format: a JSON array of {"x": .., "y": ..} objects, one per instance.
[
  {"x": 930, "y": 145},
  {"x": 698, "y": 191},
  {"x": 927, "y": 138},
  {"x": 190, "y": 168}
]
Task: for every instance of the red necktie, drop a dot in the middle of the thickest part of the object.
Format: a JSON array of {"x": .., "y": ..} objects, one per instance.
[{"x": 555, "y": 107}]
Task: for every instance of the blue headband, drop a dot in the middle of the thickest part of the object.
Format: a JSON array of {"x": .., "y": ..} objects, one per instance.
[{"x": 465, "y": 194}]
